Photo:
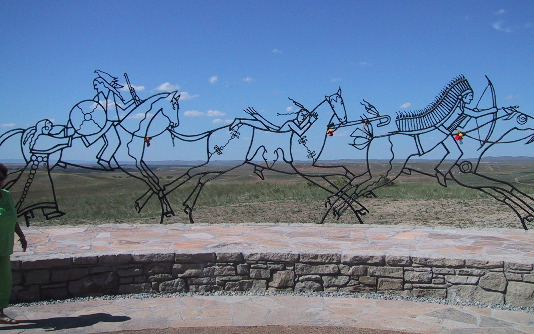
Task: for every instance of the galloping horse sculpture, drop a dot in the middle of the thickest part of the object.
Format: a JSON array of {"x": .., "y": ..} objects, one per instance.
[
  {"x": 300, "y": 139},
  {"x": 92, "y": 122},
  {"x": 442, "y": 125},
  {"x": 105, "y": 123}
]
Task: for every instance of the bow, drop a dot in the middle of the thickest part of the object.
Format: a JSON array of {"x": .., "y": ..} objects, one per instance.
[{"x": 493, "y": 115}]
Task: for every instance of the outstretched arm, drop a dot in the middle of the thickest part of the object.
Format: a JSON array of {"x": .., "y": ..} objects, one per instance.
[
  {"x": 475, "y": 112},
  {"x": 252, "y": 112}
]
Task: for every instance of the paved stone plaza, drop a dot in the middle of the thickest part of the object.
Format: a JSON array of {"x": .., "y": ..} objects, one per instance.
[{"x": 409, "y": 261}]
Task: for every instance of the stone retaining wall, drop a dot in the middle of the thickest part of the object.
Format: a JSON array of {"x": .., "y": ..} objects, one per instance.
[{"x": 494, "y": 282}]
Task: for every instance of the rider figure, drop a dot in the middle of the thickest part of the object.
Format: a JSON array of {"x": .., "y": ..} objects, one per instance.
[
  {"x": 461, "y": 116},
  {"x": 299, "y": 125},
  {"x": 449, "y": 115},
  {"x": 107, "y": 94}
]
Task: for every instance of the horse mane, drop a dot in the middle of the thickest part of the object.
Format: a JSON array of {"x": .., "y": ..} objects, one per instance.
[{"x": 436, "y": 112}]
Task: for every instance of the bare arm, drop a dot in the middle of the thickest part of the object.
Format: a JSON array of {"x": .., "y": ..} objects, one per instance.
[{"x": 22, "y": 238}]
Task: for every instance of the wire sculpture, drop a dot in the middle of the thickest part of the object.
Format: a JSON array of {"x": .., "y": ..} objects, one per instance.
[
  {"x": 99, "y": 123},
  {"x": 442, "y": 125}
]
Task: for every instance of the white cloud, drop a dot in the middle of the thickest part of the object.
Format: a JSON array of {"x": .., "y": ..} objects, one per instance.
[
  {"x": 500, "y": 12},
  {"x": 167, "y": 86},
  {"x": 335, "y": 79},
  {"x": 140, "y": 115},
  {"x": 248, "y": 79},
  {"x": 405, "y": 105},
  {"x": 511, "y": 97},
  {"x": 277, "y": 51},
  {"x": 215, "y": 113},
  {"x": 7, "y": 125},
  {"x": 209, "y": 113},
  {"x": 137, "y": 88},
  {"x": 185, "y": 96},
  {"x": 290, "y": 109},
  {"x": 221, "y": 121},
  {"x": 193, "y": 113},
  {"x": 365, "y": 63},
  {"x": 110, "y": 104},
  {"x": 213, "y": 79},
  {"x": 499, "y": 26}
]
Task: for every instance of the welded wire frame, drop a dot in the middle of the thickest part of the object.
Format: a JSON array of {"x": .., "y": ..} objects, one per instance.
[
  {"x": 443, "y": 125},
  {"x": 270, "y": 146},
  {"x": 97, "y": 122}
]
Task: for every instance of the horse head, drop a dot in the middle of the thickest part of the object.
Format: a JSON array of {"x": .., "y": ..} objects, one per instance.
[
  {"x": 511, "y": 126},
  {"x": 521, "y": 121},
  {"x": 174, "y": 117},
  {"x": 338, "y": 106}
]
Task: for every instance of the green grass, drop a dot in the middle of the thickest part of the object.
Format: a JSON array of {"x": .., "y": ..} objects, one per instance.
[
  {"x": 110, "y": 196},
  {"x": 428, "y": 192}
]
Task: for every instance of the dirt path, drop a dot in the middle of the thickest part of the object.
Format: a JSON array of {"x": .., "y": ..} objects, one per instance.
[
  {"x": 476, "y": 213},
  {"x": 453, "y": 213}
]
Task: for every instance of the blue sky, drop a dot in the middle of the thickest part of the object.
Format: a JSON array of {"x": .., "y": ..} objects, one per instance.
[{"x": 225, "y": 56}]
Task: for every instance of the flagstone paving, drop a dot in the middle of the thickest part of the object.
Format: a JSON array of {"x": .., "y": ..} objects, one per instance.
[
  {"x": 101, "y": 315},
  {"x": 488, "y": 244},
  {"x": 97, "y": 316}
]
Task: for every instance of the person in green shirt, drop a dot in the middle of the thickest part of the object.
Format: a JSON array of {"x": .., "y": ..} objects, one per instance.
[{"x": 8, "y": 226}]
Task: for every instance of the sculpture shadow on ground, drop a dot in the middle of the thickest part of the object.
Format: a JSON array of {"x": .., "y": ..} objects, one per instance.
[{"x": 62, "y": 323}]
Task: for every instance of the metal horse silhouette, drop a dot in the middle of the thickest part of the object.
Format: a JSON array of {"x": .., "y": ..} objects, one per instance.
[
  {"x": 442, "y": 125},
  {"x": 302, "y": 137},
  {"x": 100, "y": 122}
]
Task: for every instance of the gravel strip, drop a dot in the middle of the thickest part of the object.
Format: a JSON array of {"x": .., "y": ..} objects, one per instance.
[{"x": 300, "y": 294}]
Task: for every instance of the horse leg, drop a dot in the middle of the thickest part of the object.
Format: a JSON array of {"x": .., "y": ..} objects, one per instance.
[
  {"x": 512, "y": 203},
  {"x": 141, "y": 201},
  {"x": 332, "y": 186},
  {"x": 151, "y": 180},
  {"x": 183, "y": 179},
  {"x": 349, "y": 203},
  {"x": 342, "y": 197},
  {"x": 372, "y": 181},
  {"x": 521, "y": 203},
  {"x": 166, "y": 209},
  {"x": 191, "y": 200}
]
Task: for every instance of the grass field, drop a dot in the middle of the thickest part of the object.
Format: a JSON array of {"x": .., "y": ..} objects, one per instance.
[{"x": 90, "y": 197}]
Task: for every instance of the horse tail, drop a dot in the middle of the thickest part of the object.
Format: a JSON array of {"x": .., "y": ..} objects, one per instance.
[{"x": 8, "y": 134}]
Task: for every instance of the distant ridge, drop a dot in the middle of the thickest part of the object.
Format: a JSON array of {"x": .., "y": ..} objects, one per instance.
[{"x": 190, "y": 163}]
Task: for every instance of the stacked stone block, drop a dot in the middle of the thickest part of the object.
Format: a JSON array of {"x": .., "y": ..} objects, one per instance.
[{"x": 493, "y": 282}]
